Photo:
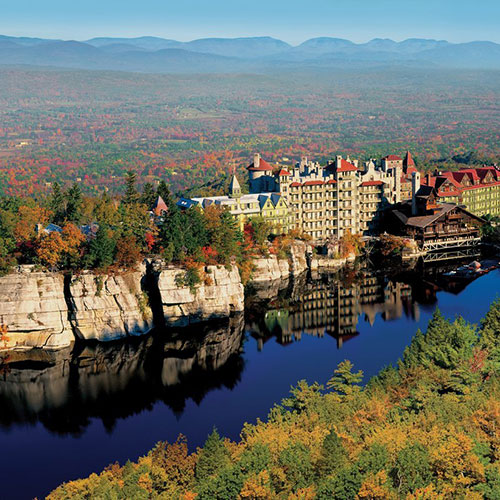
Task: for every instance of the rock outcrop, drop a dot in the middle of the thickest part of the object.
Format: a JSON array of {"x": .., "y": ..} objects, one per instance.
[
  {"x": 33, "y": 308},
  {"x": 267, "y": 269},
  {"x": 219, "y": 295},
  {"x": 298, "y": 257},
  {"x": 106, "y": 307}
]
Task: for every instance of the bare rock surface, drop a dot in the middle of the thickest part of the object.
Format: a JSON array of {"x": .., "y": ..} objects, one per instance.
[
  {"x": 219, "y": 295},
  {"x": 33, "y": 308},
  {"x": 108, "y": 307}
]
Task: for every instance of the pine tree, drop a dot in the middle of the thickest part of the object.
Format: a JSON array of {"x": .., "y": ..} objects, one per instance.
[
  {"x": 165, "y": 194},
  {"x": 74, "y": 203},
  {"x": 148, "y": 195},
  {"x": 131, "y": 194},
  {"x": 344, "y": 380},
  {"x": 101, "y": 249},
  {"x": 57, "y": 204},
  {"x": 213, "y": 457},
  {"x": 333, "y": 455}
]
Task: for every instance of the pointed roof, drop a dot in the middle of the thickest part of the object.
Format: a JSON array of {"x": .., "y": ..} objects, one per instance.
[
  {"x": 160, "y": 206},
  {"x": 283, "y": 172},
  {"x": 408, "y": 161},
  {"x": 234, "y": 185},
  {"x": 345, "y": 166}
]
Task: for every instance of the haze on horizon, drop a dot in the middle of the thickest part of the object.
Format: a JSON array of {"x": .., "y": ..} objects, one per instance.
[{"x": 290, "y": 20}]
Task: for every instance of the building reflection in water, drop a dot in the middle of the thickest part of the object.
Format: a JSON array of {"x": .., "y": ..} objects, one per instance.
[
  {"x": 333, "y": 306},
  {"x": 65, "y": 389}
]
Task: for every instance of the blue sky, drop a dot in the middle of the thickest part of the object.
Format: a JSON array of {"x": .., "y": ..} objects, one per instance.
[{"x": 291, "y": 20}]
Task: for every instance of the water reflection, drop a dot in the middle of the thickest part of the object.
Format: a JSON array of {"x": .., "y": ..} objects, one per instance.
[
  {"x": 334, "y": 304},
  {"x": 65, "y": 389}
]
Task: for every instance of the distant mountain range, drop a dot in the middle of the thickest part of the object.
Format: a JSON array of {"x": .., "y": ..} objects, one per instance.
[{"x": 216, "y": 55}]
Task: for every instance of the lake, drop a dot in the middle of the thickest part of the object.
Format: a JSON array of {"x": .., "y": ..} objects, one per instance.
[{"x": 68, "y": 413}]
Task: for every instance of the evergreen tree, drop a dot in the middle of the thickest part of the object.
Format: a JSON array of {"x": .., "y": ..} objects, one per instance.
[
  {"x": 74, "y": 203},
  {"x": 333, "y": 455},
  {"x": 101, "y": 249},
  {"x": 344, "y": 380},
  {"x": 171, "y": 235},
  {"x": 490, "y": 326},
  {"x": 213, "y": 457},
  {"x": 163, "y": 191},
  {"x": 148, "y": 195},
  {"x": 131, "y": 194},
  {"x": 57, "y": 204},
  {"x": 444, "y": 344},
  {"x": 412, "y": 469},
  {"x": 296, "y": 461}
]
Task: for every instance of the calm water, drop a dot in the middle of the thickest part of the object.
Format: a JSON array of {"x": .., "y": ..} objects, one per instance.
[{"x": 64, "y": 415}]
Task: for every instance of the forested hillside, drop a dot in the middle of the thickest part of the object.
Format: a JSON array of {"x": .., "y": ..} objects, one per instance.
[
  {"x": 427, "y": 429},
  {"x": 91, "y": 127}
]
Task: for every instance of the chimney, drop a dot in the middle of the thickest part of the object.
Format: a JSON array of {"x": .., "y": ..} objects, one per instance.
[
  {"x": 256, "y": 160},
  {"x": 415, "y": 186}
]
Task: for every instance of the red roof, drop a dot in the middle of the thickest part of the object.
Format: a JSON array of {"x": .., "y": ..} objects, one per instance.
[
  {"x": 393, "y": 158},
  {"x": 295, "y": 184},
  {"x": 263, "y": 166},
  {"x": 313, "y": 183},
  {"x": 345, "y": 166},
  {"x": 283, "y": 172},
  {"x": 160, "y": 206},
  {"x": 372, "y": 183},
  {"x": 408, "y": 161},
  {"x": 331, "y": 181}
]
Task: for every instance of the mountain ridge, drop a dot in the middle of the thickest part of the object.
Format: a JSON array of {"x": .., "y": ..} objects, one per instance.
[{"x": 254, "y": 54}]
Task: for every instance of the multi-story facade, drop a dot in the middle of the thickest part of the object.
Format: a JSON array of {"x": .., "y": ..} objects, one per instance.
[
  {"x": 477, "y": 189},
  {"x": 326, "y": 202},
  {"x": 323, "y": 202},
  {"x": 270, "y": 206}
]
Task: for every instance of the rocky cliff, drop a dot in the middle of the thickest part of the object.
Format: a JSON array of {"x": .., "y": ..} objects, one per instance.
[
  {"x": 33, "y": 308},
  {"x": 219, "y": 294},
  {"x": 109, "y": 307}
]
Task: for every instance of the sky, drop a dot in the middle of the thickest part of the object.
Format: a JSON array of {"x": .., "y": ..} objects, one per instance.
[{"x": 291, "y": 20}]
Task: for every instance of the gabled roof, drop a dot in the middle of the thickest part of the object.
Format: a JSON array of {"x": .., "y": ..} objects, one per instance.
[
  {"x": 345, "y": 166},
  {"x": 283, "y": 172},
  {"x": 392, "y": 158},
  {"x": 275, "y": 198},
  {"x": 422, "y": 221},
  {"x": 295, "y": 184},
  {"x": 160, "y": 206}
]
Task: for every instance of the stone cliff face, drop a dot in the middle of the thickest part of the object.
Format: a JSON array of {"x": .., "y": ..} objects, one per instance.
[
  {"x": 49, "y": 310},
  {"x": 109, "y": 307},
  {"x": 271, "y": 275},
  {"x": 33, "y": 308},
  {"x": 219, "y": 295}
]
